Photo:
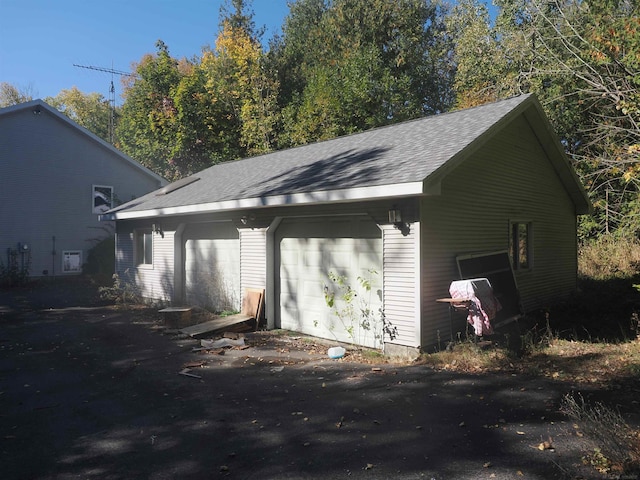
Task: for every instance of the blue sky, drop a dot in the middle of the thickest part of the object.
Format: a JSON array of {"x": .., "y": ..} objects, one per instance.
[{"x": 41, "y": 40}]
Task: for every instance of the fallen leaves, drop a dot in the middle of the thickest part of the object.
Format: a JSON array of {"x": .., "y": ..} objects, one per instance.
[{"x": 546, "y": 445}]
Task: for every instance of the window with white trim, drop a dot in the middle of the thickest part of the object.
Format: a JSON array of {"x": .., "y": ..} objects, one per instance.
[
  {"x": 71, "y": 261},
  {"x": 144, "y": 247},
  {"x": 520, "y": 247}
]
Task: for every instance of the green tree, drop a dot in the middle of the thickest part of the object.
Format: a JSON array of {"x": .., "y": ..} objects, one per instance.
[
  {"x": 92, "y": 110},
  {"x": 347, "y": 66},
  {"x": 199, "y": 143},
  {"x": 483, "y": 70},
  {"x": 583, "y": 62},
  {"x": 240, "y": 83},
  {"x": 148, "y": 128}
]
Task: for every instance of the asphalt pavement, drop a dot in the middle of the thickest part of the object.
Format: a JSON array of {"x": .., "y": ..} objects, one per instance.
[{"x": 91, "y": 391}]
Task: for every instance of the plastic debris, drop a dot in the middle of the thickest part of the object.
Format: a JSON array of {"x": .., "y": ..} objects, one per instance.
[{"x": 336, "y": 352}]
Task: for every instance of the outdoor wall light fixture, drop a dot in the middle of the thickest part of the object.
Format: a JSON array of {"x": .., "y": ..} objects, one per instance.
[
  {"x": 36, "y": 111},
  {"x": 246, "y": 219},
  {"x": 395, "y": 217},
  {"x": 157, "y": 228}
]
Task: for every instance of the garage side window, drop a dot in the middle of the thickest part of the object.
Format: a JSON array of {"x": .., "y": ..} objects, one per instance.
[
  {"x": 144, "y": 246},
  {"x": 520, "y": 245}
]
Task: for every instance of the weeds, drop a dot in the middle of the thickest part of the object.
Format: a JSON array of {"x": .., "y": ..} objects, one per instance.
[
  {"x": 16, "y": 272},
  {"x": 466, "y": 356},
  {"x": 608, "y": 257},
  {"x": 355, "y": 309},
  {"x": 616, "y": 446},
  {"x": 122, "y": 292}
]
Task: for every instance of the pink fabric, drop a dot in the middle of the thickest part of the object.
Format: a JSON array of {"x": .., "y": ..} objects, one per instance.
[{"x": 484, "y": 305}]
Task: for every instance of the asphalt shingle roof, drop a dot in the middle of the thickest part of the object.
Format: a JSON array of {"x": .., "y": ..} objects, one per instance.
[{"x": 396, "y": 154}]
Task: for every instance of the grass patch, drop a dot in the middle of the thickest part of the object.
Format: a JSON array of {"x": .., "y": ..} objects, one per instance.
[{"x": 553, "y": 347}]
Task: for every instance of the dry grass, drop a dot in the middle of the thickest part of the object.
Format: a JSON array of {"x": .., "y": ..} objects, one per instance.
[
  {"x": 585, "y": 364},
  {"x": 607, "y": 257},
  {"x": 616, "y": 446},
  {"x": 468, "y": 357},
  {"x": 612, "y": 369}
]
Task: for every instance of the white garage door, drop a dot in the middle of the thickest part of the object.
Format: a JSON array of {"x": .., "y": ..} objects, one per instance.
[
  {"x": 310, "y": 251},
  {"x": 212, "y": 266}
]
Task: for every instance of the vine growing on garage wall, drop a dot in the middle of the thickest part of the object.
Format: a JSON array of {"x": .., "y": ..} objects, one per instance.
[{"x": 355, "y": 310}]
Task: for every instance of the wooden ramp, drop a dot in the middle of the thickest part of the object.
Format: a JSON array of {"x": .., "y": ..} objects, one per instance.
[{"x": 252, "y": 311}]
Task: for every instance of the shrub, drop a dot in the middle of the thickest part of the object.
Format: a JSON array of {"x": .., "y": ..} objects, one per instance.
[
  {"x": 122, "y": 292},
  {"x": 101, "y": 258},
  {"x": 353, "y": 307}
]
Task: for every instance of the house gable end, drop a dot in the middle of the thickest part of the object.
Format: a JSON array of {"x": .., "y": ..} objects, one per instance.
[
  {"x": 39, "y": 107},
  {"x": 541, "y": 129}
]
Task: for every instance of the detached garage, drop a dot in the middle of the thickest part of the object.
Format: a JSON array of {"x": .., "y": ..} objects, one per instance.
[{"x": 405, "y": 201}]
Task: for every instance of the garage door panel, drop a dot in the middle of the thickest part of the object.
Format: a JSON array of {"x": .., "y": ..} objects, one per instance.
[
  {"x": 313, "y": 258},
  {"x": 310, "y": 288},
  {"x": 339, "y": 260},
  {"x": 302, "y": 302},
  {"x": 290, "y": 318},
  {"x": 289, "y": 256}
]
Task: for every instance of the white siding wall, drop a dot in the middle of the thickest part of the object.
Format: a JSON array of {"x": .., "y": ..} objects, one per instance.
[
  {"x": 400, "y": 286},
  {"x": 509, "y": 179},
  {"x": 157, "y": 281},
  {"x": 154, "y": 282},
  {"x": 253, "y": 258}
]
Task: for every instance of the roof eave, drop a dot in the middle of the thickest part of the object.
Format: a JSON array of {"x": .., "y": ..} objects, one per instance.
[
  {"x": 559, "y": 159},
  {"x": 310, "y": 198}
]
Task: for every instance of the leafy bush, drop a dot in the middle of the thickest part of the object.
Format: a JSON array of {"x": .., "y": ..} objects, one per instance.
[{"x": 353, "y": 308}]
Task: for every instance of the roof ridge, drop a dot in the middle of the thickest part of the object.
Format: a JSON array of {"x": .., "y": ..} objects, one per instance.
[{"x": 373, "y": 130}]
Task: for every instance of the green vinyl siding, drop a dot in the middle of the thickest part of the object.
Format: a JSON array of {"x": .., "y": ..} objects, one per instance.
[{"x": 509, "y": 179}]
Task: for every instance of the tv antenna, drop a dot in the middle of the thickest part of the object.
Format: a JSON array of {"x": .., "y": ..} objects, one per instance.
[{"x": 112, "y": 93}]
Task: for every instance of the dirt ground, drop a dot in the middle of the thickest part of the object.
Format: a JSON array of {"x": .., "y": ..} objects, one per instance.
[{"x": 89, "y": 390}]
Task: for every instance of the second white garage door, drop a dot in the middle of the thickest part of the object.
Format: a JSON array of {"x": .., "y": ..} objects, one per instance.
[
  {"x": 312, "y": 249},
  {"x": 212, "y": 266}
]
